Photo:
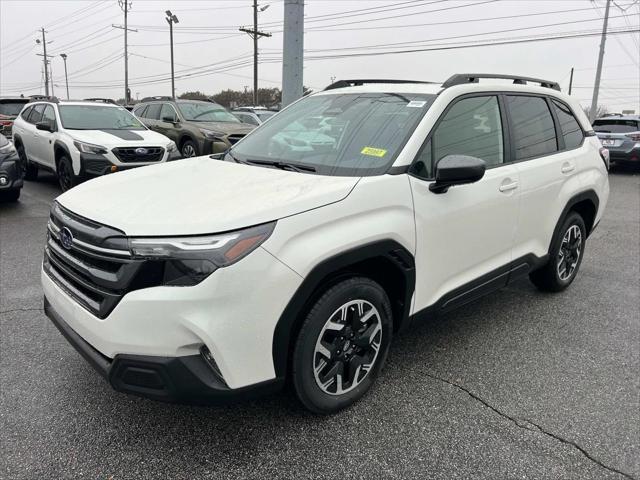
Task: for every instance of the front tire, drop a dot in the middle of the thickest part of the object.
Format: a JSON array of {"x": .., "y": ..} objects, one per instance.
[
  {"x": 565, "y": 257},
  {"x": 342, "y": 345},
  {"x": 189, "y": 149},
  {"x": 66, "y": 178}
]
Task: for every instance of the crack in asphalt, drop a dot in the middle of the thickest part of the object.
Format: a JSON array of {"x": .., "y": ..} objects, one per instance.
[
  {"x": 533, "y": 427},
  {"x": 34, "y": 309}
]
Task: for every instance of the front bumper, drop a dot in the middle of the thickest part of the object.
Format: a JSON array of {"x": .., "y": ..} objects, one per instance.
[
  {"x": 95, "y": 165},
  {"x": 233, "y": 313},
  {"x": 187, "y": 379},
  {"x": 10, "y": 175}
]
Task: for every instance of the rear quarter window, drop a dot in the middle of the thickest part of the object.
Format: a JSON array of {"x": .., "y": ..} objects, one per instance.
[{"x": 569, "y": 126}]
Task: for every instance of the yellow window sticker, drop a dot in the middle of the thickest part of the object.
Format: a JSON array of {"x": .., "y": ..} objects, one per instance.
[{"x": 374, "y": 152}]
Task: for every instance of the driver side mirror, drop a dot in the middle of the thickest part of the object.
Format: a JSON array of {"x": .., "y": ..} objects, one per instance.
[
  {"x": 169, "y": 119},
  {"x": 457, "y": 170},
  {"x": 44, "y": 125}
]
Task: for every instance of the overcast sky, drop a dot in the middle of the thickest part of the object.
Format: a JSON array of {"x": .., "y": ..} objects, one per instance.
[{"x": 210, "y": 53}]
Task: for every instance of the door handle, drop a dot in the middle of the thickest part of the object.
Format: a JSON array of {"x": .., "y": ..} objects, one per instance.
[
  {"x": 567, "y": 168},
  {"x": 508, "y": 187}
]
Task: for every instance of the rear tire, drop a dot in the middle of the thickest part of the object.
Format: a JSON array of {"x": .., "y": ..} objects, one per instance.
[
  {"x": 29, "y": 169},
  {"x": 565, "y": 256},
  {"x": 342, "y": 345},
  {"x": 64, "y": 170}
]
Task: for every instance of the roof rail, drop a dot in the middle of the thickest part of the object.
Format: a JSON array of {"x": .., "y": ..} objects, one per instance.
[
  {"x": 157, "y": 97},
  {"x": 353, "y": 83},
  {"x": 462, "y": 78},
  {"x": 48, "y": 98},
  {"x": 101, "y": 100}
]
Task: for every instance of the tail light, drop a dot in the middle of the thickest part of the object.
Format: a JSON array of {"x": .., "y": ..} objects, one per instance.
[
  {"x": 634, "y": 136},
  {"x": 6, "y": 123},
  {"x": 604, "y": 154}
]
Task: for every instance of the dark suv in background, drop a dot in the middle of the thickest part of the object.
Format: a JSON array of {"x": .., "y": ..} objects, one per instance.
[
  {"x": 198, "y": 127},
  {"x": 10, "y": 107},
  {"x": 620, "y": 135}
]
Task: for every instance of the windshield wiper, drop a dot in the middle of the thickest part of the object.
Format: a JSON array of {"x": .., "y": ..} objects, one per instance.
[{"x": 282, "y": 165}]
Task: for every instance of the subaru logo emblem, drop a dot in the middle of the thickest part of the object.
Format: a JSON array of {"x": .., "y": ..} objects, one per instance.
[
  {"x": 66, "y": 238},
  {"x": 141, "y": 151}
]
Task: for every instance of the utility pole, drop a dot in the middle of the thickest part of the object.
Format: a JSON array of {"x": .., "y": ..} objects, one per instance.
[
  {"x": 255, "y": 34},
  {"x": 66, "y": 77},
  {"x": 125, "y": 5},
  {"x": 51, "y": 74},
  {"x": 596, "y": 86},
  {"x": 571, "y": 81},
  {"x": 171, "y": 19},
  {"x": 46, "y": 68},
  {"x": 292, "y": 51}
]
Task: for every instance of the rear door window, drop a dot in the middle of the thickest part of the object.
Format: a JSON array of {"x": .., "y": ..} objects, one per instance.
[
  {"x": 139, "y": 111},
  {"x": 569, "y": 126},
  {"x": 533, "y": 130}
]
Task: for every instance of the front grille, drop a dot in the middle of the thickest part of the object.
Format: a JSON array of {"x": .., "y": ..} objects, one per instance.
[
  {"x": 235, "y": 138},
  {"x": 95, "y": 268},
  {"x": 138, "y": 154}
]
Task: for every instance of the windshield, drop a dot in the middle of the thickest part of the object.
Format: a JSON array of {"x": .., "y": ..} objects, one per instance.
[
  {"x": 206, "y": 112},
  {"x": 616, "y": 126},
  {"x": 97, "y": 117},
  {"x": 11, "y": 108},
  {"x": 354, "y": 134}
]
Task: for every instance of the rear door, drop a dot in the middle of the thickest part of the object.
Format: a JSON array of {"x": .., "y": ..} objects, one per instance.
[
  {"x": 152, "y": 115},
  {"x": 31, "y": 135},
  {"x": 547, "y": 142},
  {"x": 43, "y": 143}
]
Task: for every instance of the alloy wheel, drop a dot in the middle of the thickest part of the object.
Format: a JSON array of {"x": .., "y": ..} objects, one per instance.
[
  {"x": 347, "y": 347},
  {"x": 569, "y": 254},
  {"x": 188, "y": 151}
]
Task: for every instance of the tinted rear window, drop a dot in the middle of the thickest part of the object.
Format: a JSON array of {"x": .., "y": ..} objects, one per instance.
[
  {"x": 616, "y": 126},
  {"x": 11, "y": 108},
  {"x": 534, "y": 132}
]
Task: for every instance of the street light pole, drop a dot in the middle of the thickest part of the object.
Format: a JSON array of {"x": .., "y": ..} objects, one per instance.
[
  {"x": 171, "y": 19},
  {"x": 66, "y": 78}
]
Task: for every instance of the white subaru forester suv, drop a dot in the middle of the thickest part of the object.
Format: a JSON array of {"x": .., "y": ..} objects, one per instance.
[
  {"x": 297, "y": 255},
  {"x": 78, "y": 140}
]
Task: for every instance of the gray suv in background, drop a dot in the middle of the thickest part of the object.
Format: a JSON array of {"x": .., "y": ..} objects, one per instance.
[
  {"x": 620, "y": 135},
  {"x": 198, "y": 127}
]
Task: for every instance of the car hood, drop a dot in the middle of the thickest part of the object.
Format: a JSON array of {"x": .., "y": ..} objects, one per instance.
[
  {"x": 228, "y": 128},
  {"x": 200, "y": 195},
  {"x": 120, "y": 138}
]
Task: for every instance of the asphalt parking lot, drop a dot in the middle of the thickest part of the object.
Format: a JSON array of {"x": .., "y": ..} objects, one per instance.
[{"x": 518, "y": 385}]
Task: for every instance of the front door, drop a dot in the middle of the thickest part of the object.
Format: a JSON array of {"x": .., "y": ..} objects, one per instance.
[{"x": 464, "y": 236}]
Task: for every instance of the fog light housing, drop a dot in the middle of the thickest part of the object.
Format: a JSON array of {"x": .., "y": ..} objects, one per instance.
[
  {"x": 211, "y": 362},
  {"x": 3, "y": 181}
]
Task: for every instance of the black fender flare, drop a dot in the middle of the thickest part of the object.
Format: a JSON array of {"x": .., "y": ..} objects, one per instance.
[
  {"x": 590, "y": 195},
  {"x": 332, "y": 270},
  {"x": 184, "y": 137}
]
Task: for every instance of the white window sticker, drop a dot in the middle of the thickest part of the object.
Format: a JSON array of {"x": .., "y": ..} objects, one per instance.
[{"x": 416, "y": 104}]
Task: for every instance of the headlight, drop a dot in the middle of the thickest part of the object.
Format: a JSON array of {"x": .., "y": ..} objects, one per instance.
[
  {"x": 212, "y": 133},
  {"x": 171, "y": 147},
  {"x": 189, "y": 260},
  {"x": 89, "y": 148}
]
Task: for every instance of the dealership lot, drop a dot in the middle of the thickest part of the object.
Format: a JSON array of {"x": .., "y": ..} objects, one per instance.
[{"x": 517, "y": 385}]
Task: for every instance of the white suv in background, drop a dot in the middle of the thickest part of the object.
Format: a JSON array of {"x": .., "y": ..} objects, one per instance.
[
  {"x": 340, "y": 221},
  {"x": 82, "y": 139}
]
